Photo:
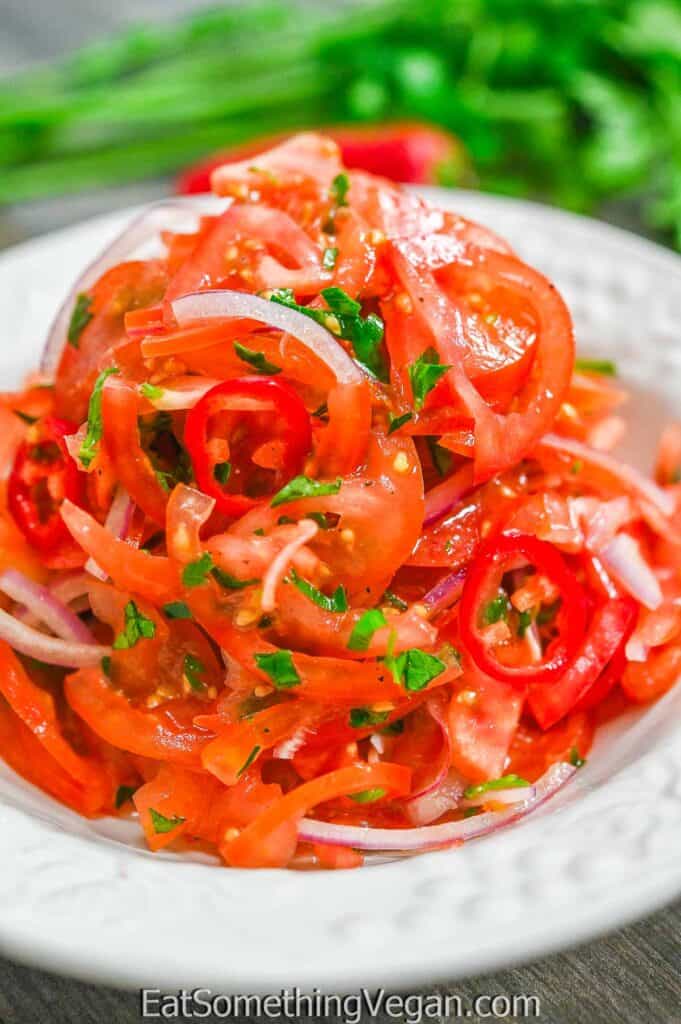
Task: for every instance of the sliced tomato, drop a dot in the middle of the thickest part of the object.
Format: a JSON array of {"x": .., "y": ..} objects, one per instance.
[
  {"x": 132, "y": 570},
  {"x": 483, "y": 718},
  {"x": 533, "y": 752},
  {"x": 651, "y": 679},
  {"x": 163, "y": 733},
  {"x": 270, "y": 841},
  {"x": 128, "y": 286}
]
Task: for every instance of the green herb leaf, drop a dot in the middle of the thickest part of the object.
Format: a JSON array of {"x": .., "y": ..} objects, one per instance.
[
  {"x": 361, "y": 718},
  {"x": 193, "y": 668},
  {"x": 337, "y": 602},
  {"x": 106, "y": 666},
  {"x": 30, "y": 420},
  {"x": 442, "y": 457},
  {"x": 257, "y": 360},
  {"x": 162, "y": 824},
  {"x": 414, "y": 669},
  {"x": 575, "y": 759},
  {"x": 329, "y": 258},
  {"x": 424, "y": 374},
  {"x": 524, "y": 622},
  {"x": 395, "y": 422},
  {"x": 368, "y": 796},
  {"x": 364, "y": 629},
  {"x": 339, "y": 189},
  {"x": 343, "y": 318},
  {"x": 88, "y": 448},
  {"x": 280, "y": 669},
  {"x": 151, "y": 391},
  {"x": 603, "y": 366},
  {"x": 505, "y": 782},
  {"x": 305, "y": 487},
  {"x": 222, "y": 472},
  {"x": 393, "y": 728},
  {"x": 249, "y": 761},
  {"x": 123, "y": 794},
  {"x": 80, "y": 318},
  {"x": 577, "y": 467},
  {"x": 394, "y": 601},
  {"x": 196, "y": 573},
  {"x": 137, "y": 627},
  {"x": 229, "y": 582},
  {"x": 496, "y": 610},
  {"x": 177, "y": 610}
]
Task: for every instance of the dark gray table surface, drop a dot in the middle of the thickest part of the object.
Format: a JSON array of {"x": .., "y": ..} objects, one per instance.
[{"x": 632, "y": 976}]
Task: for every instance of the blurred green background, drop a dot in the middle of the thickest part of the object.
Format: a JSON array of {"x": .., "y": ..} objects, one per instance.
[{"x": 573, "y": 102}]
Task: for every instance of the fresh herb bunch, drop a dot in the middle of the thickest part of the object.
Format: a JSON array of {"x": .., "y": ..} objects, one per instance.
[{"x": 574, "y": 101}]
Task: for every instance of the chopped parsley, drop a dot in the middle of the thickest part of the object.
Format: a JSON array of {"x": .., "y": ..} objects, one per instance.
[
  {"x": 547, "y": 613},
  {"x": 368, "y": 796},
  {"x": 249, "y": 761},
  {"x": 305, "y": 487},
  {"x": 575, "y": 759},
  {"x": 496, "y": 611},
  {"x": 414, "y": 669},
  {"x": 524, "y": 622},
  {"x": 424, "y": 374},
  {"x": 337, "y": 602},
  {"x": 343, "y": 318},
  {"x": 441, "y": 457},
  {"x": 280, "y": 669},
  {"x": 151, "y": 391},
  {"x": 361, "y": 718},
  {"x": 162, "y": 824},
  {"x": 393, "y": 728},
  {"x": 193, "y": 668},
  {"x": 577, "y": 467},
  {"x": 106, "y": 666},
  {"x": 93, "y": 436},
  {"x": 340, "y": 186},
  {"x": 222, "y": 471},
  {"x": 80, "y": 318},
  {"x": 603, "y": 366},
  {"x": 123, "y": 794},
  {"x": 177, "y": 610},
  {"x": 505, "y": 782},
  {"x": 257, "y": 360},
  {"x": 395, "y": 422},
  {"x": 229, "y": 582},
  {"x": 195, "y": 573},
  {"x": 364, "y": 629},
  {"x": 329, "y": 258},
  {"x": 394, "y": 601},
  {"x": 30, "y": 420},
  {"x": 137, "y": 627}
]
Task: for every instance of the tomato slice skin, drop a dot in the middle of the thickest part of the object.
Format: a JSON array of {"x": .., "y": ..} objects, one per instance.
[
  {"x": 483, "y": 581},
  {"x": 597, "y": 667},
  {"x": 274, "y": 397},
  {"x": 43, "y": 475},
  {"x": 270, "y": 840}
]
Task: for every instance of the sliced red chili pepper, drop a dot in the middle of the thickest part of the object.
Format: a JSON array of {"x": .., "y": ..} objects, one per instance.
[
  {"x": 42, "y": 476},
  {"x": 510, "y": 551},
  {"x": 246, "y": 438},
  {"x": 596, "y": 669}
]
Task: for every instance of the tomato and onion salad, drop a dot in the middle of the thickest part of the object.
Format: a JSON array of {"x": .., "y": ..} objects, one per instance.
[{"x": 309, "y": 545}]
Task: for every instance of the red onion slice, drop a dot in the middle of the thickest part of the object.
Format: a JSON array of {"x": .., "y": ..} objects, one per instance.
[
  {"x": 226, "y": 304},
  {"x": 510, "y": 796},
  {"x": 623, "y": 559},
  {"x": 171, "y": 215},
  {"x": 117, "y": 522},
  {"x": 446, "y": 592},
  {"x": 45, "y": 607},
  {"x": 632, "y": 481},
  {"x": 183, "y": 393},
  {"x": 430, "y": 837},
  {"x": 444, "y": 497},
  {"x": 52, "y": 650}
]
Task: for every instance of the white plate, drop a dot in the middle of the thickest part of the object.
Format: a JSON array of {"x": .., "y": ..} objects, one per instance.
[{"x": 86, "y": 899}]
